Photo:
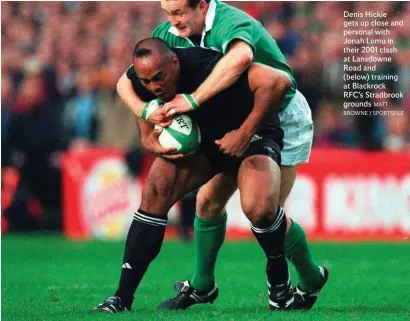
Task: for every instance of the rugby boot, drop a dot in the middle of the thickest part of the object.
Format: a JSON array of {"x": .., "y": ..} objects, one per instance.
[
  {"x": 112, "y": 304},
  {"x": 187, "y": 296},
  {"x": 281, "y": 297},
  {"x": 306, "y": 299}
]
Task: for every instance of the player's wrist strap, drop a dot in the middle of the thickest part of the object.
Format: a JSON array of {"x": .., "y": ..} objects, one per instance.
[
  {"x": 150, "y": 107},
  {"x": 191, "y": 100}
]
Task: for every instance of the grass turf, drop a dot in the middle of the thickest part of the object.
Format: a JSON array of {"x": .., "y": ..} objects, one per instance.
[{"x": 46, "y": 277}]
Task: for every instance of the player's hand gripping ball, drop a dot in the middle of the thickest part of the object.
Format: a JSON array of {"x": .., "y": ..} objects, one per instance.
[{"x": 183, "y": 134}]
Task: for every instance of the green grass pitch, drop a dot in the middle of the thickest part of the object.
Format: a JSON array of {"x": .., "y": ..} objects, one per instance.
[{"x": 46, "y": 277}]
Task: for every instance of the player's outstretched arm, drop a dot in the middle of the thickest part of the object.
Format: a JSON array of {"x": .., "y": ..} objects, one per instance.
[
  {"x": 269, "y": 86},
  {"x": 226, "y": 72},
  {"x": 128, "y": 96}
]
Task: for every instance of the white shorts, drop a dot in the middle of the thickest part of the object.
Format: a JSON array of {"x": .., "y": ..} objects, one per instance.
[{"x": 297, "y": 124}]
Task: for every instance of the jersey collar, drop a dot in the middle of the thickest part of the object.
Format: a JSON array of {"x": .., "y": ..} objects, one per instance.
[
  {"x": 173, "y": 30},
  {"x": 210, "y": 15},
  {"x": 209, "y": 21}
]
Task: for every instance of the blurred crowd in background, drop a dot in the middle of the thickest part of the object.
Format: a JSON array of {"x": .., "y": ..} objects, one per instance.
[{"x": 60, "y": 62}]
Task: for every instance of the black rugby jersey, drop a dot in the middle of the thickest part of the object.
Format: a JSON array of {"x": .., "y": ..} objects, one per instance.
[{"x": 224, "y": 112}]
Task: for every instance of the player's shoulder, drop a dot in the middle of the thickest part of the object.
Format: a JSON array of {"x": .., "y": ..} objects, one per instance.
[
  {"x": 197, "y": 54},
  {"x": 196, "y": 64},
  {"x": 169, "y": 34},
  {"x": 162, "y": 31},
  {"x": 229, "y": 15}
]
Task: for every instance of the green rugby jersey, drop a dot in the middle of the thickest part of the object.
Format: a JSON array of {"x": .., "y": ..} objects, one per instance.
[{"x": 225, "y": 23}]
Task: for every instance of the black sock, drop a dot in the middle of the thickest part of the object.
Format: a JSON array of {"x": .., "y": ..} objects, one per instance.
[
  {"x": 143, "y": 244},
  {"x": 271, "y": 237}
]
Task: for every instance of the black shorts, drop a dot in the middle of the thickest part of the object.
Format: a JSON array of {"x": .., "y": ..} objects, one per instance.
[{"x": 268, "y": 142}]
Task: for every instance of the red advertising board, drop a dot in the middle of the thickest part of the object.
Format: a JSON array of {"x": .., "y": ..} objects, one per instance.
[
  {"x": 99, "y": 196},
  {"x": 346, "y": 195},
  {"x": 355, "y": 194},
  {"x": 338, "y": 195}
]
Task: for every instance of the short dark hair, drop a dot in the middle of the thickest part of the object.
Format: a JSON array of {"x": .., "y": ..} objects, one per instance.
[
  {"x": 194, "y": 3},
  {"x": 146, "y": 47}
]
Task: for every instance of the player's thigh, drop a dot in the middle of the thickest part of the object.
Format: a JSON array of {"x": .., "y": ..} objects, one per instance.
[
  {"x": 213, "y": 196},
  {"x": 259, "y": 186},
  {"x": 169, "y": 181},
  {"x": 288, "y": 177}
]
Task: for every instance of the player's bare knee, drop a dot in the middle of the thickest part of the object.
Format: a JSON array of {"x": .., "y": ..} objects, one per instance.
[
  {"x": 259, "y": 210},
  {"x": 208, "y": 208}
]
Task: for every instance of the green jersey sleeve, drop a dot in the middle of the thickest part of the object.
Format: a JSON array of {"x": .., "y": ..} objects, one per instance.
[
  {"x": 244, "y": 31},
  {"x": 162, "y": 32}
]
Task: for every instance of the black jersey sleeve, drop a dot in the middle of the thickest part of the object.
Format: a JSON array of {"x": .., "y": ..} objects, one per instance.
[
  {"x": 197, "y": 64},
  {"x": 143, "y": 93}
]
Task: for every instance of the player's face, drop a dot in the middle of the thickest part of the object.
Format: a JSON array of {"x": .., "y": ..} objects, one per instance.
[
  {"x": 187, "y": 20},
  {"x": 159, "y": 75}
]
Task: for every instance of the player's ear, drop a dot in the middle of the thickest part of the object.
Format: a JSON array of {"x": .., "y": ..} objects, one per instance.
[
  {"x": 201, "y": 5},
  {"x": 175, "y": 62}
]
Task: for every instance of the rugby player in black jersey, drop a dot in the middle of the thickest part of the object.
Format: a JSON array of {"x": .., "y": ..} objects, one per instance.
[{"x": 247, "y": 108}]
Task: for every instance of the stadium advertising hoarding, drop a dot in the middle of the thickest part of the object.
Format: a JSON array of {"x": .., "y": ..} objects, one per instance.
[
  {"x": 340, "y": 195},
  {"x": 347, "y": 195},
  {"x": 98, "y": 194}
]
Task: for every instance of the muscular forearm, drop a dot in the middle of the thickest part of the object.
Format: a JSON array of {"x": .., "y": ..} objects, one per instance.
[
  {"x": 145, "y": 127},
  {"x": 145, "y": 130},
  {"x": 226, "y": 72},
  {"x": 128, "y": 96}
]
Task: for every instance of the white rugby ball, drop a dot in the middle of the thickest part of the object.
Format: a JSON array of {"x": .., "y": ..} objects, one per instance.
[{"x": 183, "y": 134}]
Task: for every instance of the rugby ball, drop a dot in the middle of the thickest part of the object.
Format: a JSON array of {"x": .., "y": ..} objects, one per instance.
[{"x": 183, "y": 134}]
